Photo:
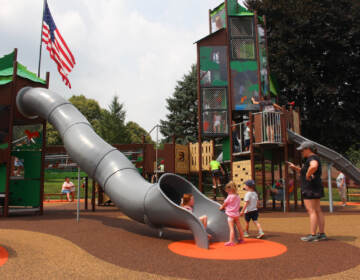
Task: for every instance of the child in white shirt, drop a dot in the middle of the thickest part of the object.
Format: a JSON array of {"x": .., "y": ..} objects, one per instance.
[{"x": 250, "y": 209}]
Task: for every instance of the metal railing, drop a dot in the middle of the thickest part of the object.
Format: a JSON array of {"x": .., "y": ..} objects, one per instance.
[{"x": 270, "y": 127}]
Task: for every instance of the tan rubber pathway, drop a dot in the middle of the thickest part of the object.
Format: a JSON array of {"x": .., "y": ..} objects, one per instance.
[{"x": 34, "y": 255}]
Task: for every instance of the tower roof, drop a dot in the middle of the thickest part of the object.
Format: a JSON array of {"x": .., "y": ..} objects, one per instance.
[{"x": 6, "y": 71}]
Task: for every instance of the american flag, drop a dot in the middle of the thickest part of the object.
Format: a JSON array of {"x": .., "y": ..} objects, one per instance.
[{"x": 56, "y": 46}]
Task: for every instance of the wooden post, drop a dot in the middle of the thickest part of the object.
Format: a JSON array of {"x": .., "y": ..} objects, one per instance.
[
  {"x": 11, "y": 126},
  {"x": 229, "y": 90},
  {"x": 93, "y": 194},
  {"x": 199, "y": 120},
  {"x": 86, "y": 192},
  {"x": 272, "y": 171},
  {"x": 286, "y": 158},
  {"x": 210, "y": 27},
  {"x": 263, "y": 178},
  {"x": 280, "y": 165},
  {"x": 252, "y": 154},
  {"x": 257, "y": 52},
  {"x": 43, "y": 152},
  {"x": 173, "y": 151},
  {"x": 267, "y": 60}
]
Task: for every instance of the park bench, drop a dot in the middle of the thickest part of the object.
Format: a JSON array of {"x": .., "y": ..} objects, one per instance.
[{"x": 47, "y": 196}]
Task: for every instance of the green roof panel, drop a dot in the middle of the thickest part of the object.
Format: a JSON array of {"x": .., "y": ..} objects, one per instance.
[{"x": 6, "y": 71}]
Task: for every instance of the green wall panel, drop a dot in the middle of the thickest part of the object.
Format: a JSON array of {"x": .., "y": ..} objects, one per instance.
[
  {"x": 2, "y": 177},
  {"x": 25, "y": 193}
]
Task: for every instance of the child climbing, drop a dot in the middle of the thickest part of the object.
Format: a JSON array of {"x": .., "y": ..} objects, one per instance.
[
  {"x": 232, "y": 207},
  {"x": 188, "y": 202},
  {"x": 250, "y": 209},
  {"x": 216, "y": 171}
]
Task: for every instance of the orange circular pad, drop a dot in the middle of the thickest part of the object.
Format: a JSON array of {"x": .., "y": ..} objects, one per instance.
[
  {"x": 4, "y": 255},
  {"x": 249, "y": 250}
]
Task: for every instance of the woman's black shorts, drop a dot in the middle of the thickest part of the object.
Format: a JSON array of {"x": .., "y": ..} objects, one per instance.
[{"x": 313, "y": 194}]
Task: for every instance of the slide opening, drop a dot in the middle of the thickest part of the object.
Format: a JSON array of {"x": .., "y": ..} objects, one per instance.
[{"x": 174, "y": 187}]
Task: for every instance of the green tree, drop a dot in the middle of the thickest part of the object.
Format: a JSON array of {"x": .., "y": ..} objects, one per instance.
[
  {"x": 136, "y": 132},
  {"x": 182, "y": 120},
  {"x": 112, "y": 124},
  {"x": 52, "y": 135},
  {"x": 314, "y": 52},
  {"x": 90, "y": 108}
]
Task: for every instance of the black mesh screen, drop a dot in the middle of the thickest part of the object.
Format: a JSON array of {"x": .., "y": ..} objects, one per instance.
[
  {"x": 242, "y": 27},
  {"x": 214, "y": 99},
  {"x": 243, "y": 48},
  {"x": 215, "y": 122}
]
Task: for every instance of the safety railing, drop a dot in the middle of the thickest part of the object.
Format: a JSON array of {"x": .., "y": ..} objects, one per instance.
[{"x": 268, "y": 127}]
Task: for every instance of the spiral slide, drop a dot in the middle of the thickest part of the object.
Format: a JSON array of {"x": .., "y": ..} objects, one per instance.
[
  {"x": 339, "y": 162},
  {"x": 156, "y": 205}
]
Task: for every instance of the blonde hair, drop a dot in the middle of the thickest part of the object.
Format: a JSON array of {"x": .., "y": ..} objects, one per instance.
[
  {"x": 186, "y": 199},
  {"x": 231, "y": 186}
]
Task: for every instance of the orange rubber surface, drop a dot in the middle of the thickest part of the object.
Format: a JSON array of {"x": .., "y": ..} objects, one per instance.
[
  {"x": 4, "y": 255},
  {"x": 249, "y": 250}
]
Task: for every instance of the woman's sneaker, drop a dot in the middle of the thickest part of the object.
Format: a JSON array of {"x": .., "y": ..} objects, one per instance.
[
  {"x": 246, "y": 235},
  {"x": 309, "y": 238},
  {"x": 321, "y": 236},
  {"x": 260, "y": 235}
]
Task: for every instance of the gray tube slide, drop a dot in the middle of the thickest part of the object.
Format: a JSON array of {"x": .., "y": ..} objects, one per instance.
[
  {"x": 154, "y": 204},
  {"x": 340, "y": 162}
]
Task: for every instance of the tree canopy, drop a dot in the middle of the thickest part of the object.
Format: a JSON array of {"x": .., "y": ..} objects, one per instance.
[
  {"x": 108, "y": 123},
  {"x": 136, "y": 132},
  {"x": 182, "y": 118},
  {"x": 314, "y": 52}
]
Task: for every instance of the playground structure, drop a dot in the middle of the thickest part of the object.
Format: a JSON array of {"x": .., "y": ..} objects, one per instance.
[
  {"x": 222, "y": 100},
  {"x": 233, "y": 70},
  {"x": 21, "y": 158}
]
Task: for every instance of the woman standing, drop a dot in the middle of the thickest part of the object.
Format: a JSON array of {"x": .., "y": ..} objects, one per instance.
[{"x": 312, "y": 190}]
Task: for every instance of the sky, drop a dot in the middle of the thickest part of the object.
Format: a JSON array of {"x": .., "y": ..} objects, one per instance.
[{"x": 135, "y": 49}]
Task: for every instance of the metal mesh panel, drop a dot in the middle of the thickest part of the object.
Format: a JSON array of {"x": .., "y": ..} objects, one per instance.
[
  {"x": 243, "y": 48},
  {"x": 215, "y": 122},
  {"x": 242, "y": 27},
  {"x": 214, "y": 99}
]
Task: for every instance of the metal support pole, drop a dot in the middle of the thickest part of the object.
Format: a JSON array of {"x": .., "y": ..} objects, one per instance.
[
  {"x": 78, "y": 198},
  {"x": 86, "y": 187},
  {"x": 93, "y": 194},
  {"x": 331, "y": 208},
  {"x": 156, "y": 154}
]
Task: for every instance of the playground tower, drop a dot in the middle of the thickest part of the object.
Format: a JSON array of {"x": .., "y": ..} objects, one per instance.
[
  {"x": 21, "y": 157},
  {"x": 233, "y": 70}
]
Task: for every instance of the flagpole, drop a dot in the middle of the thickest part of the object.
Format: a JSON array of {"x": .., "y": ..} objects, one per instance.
[{"x": 42, "y": 22}]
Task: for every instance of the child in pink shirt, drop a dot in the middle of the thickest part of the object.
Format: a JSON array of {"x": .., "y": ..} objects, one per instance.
[{"x": 232, "y": 207}]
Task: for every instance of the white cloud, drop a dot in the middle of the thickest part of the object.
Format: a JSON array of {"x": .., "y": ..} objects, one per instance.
[{"x": 134, "y": 49}]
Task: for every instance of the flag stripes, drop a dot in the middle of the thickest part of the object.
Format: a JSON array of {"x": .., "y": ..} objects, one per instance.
[{"x": 58, "y": 49}]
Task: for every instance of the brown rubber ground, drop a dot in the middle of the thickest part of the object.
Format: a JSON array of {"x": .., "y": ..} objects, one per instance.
[{"x": 107, "y": 245}]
